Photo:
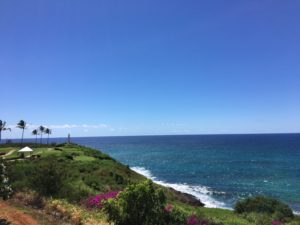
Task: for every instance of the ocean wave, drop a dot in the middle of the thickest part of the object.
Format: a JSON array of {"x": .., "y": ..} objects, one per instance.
[{"x": 202, "y": 193}]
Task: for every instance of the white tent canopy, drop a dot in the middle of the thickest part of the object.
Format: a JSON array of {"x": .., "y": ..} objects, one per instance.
[{"x": 26, "y": 149}]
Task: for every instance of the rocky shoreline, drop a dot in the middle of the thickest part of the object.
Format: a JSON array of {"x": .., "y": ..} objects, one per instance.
[{"x": 187, "y": 198}]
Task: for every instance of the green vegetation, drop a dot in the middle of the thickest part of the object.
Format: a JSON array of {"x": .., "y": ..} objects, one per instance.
[
  {"x": 70, "y": 174},
  {"x": 47, "y": 179},
  {"x": 142, "y": 204},
  {"x": 69, "y": 171},
  {"x": 5, "y": 189},
  {"x": 265, "y": 205}
]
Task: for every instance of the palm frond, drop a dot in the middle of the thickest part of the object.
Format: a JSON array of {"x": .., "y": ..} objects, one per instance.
[
  {"x": 42, "y": 129},
  {"x": 3, "y": 125},
  {"x": 21, "y": 124},
  {"x": 48, "y": 131},
  {"x": 34, "y": 132}
]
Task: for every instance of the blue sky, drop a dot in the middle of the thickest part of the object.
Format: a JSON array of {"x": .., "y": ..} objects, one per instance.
[{"x": 95, "y": 68}]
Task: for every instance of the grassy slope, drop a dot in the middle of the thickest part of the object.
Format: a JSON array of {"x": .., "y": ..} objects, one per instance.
[
  {"x": 89, "y": 170},
  {"x": 92, "y": 172}
]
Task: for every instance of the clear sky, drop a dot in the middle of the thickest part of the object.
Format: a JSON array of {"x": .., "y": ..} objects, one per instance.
[{"x": 138, "y": 67}]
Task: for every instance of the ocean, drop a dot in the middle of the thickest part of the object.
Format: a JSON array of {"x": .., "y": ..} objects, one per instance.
[{"x": 217, "y": 169}]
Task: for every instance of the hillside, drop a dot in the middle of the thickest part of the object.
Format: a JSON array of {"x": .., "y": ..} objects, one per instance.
[{"x": 81, "y": 172}]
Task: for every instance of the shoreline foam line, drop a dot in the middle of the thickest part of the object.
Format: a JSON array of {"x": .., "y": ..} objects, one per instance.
[{"x": 201, "y": 193}]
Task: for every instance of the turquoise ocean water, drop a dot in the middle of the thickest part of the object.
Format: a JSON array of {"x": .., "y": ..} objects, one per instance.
[{"x": 217, "y": 169}]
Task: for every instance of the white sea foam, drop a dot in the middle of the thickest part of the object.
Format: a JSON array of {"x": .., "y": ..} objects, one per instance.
[
  {"x": 202, "y": 193},
  {"x": 296, "y": 212}
]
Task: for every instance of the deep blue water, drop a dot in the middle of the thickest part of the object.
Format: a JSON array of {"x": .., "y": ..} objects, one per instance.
[{"x": 218, "y": 169}]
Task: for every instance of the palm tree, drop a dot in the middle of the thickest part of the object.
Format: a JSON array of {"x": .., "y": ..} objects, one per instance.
[
  {"x": 42, "y": 130},
  {"x": 3, "y": 128},
  {"x": 35, "y": 132},
  {"x": 22, "y": 125},
  {"x": 48, "y": 131}
]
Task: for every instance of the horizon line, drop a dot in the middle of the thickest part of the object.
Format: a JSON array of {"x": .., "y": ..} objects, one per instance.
[{"x": 144, "y": 135}]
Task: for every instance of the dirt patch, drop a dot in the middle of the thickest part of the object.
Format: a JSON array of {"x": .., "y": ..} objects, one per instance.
[{"x": 14, "y": 216}]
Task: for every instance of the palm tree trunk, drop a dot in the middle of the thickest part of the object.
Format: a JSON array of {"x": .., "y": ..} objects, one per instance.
[
  {"x": 36, "y": 139},
  {"x": 48, "y": 140},
  {"x": 22, "y": 137},
  {"x": 0, "y": 136},
  {"x": 41, "y": 138}
]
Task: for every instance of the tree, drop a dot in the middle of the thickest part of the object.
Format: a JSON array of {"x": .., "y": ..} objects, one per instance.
[
  {"x": 22, "y": 125},
  {"x": 35, "y": 132},
  {"x": 3, "y": 127},
  {"x": 42, "y": 130},
  {"x": 5, "y": 189},
  {"x": 48, "y": 131}
]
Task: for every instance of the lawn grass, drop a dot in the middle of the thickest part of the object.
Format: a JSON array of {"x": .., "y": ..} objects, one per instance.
[
  {"x": 6, "y": 149},
  {"x": 84, "y": 158},
  {"x": 226, "y": 217},
  {"x": 88, "y": 171},
  {"x": 45, "y": 151}
]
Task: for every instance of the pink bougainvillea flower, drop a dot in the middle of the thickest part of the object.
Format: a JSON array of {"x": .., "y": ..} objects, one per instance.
[
  {"x": 97, "y": 201},
  {"x": 192, "y": 220},
  {"x": 169, "y": 208}
]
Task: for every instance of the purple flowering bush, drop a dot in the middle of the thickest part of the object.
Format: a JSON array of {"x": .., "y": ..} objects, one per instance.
[
  {"x": 169, "y": 208},
  {"x": 97, "y": 201},
  {"x": 276, "y": 222},
  {"x": 193, "y": 220}
]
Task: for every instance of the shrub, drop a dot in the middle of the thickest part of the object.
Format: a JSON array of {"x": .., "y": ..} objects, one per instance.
[
  {"x": 92, "y": 181},
  {"x": 5, "y": 189},
  {"x": 98, "y": 200},
  {"x": 73, "y": 192},
  {"x": 119, "y": 179},
  {"x": 19, "y": 173},
  {"x": 48, "y": 178},
  {"x": 261, "y": 204},
  {"x": 141, "y": 204},
  {"x": 173, "y": 216},
  {"x": 193, "y": 220}
]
